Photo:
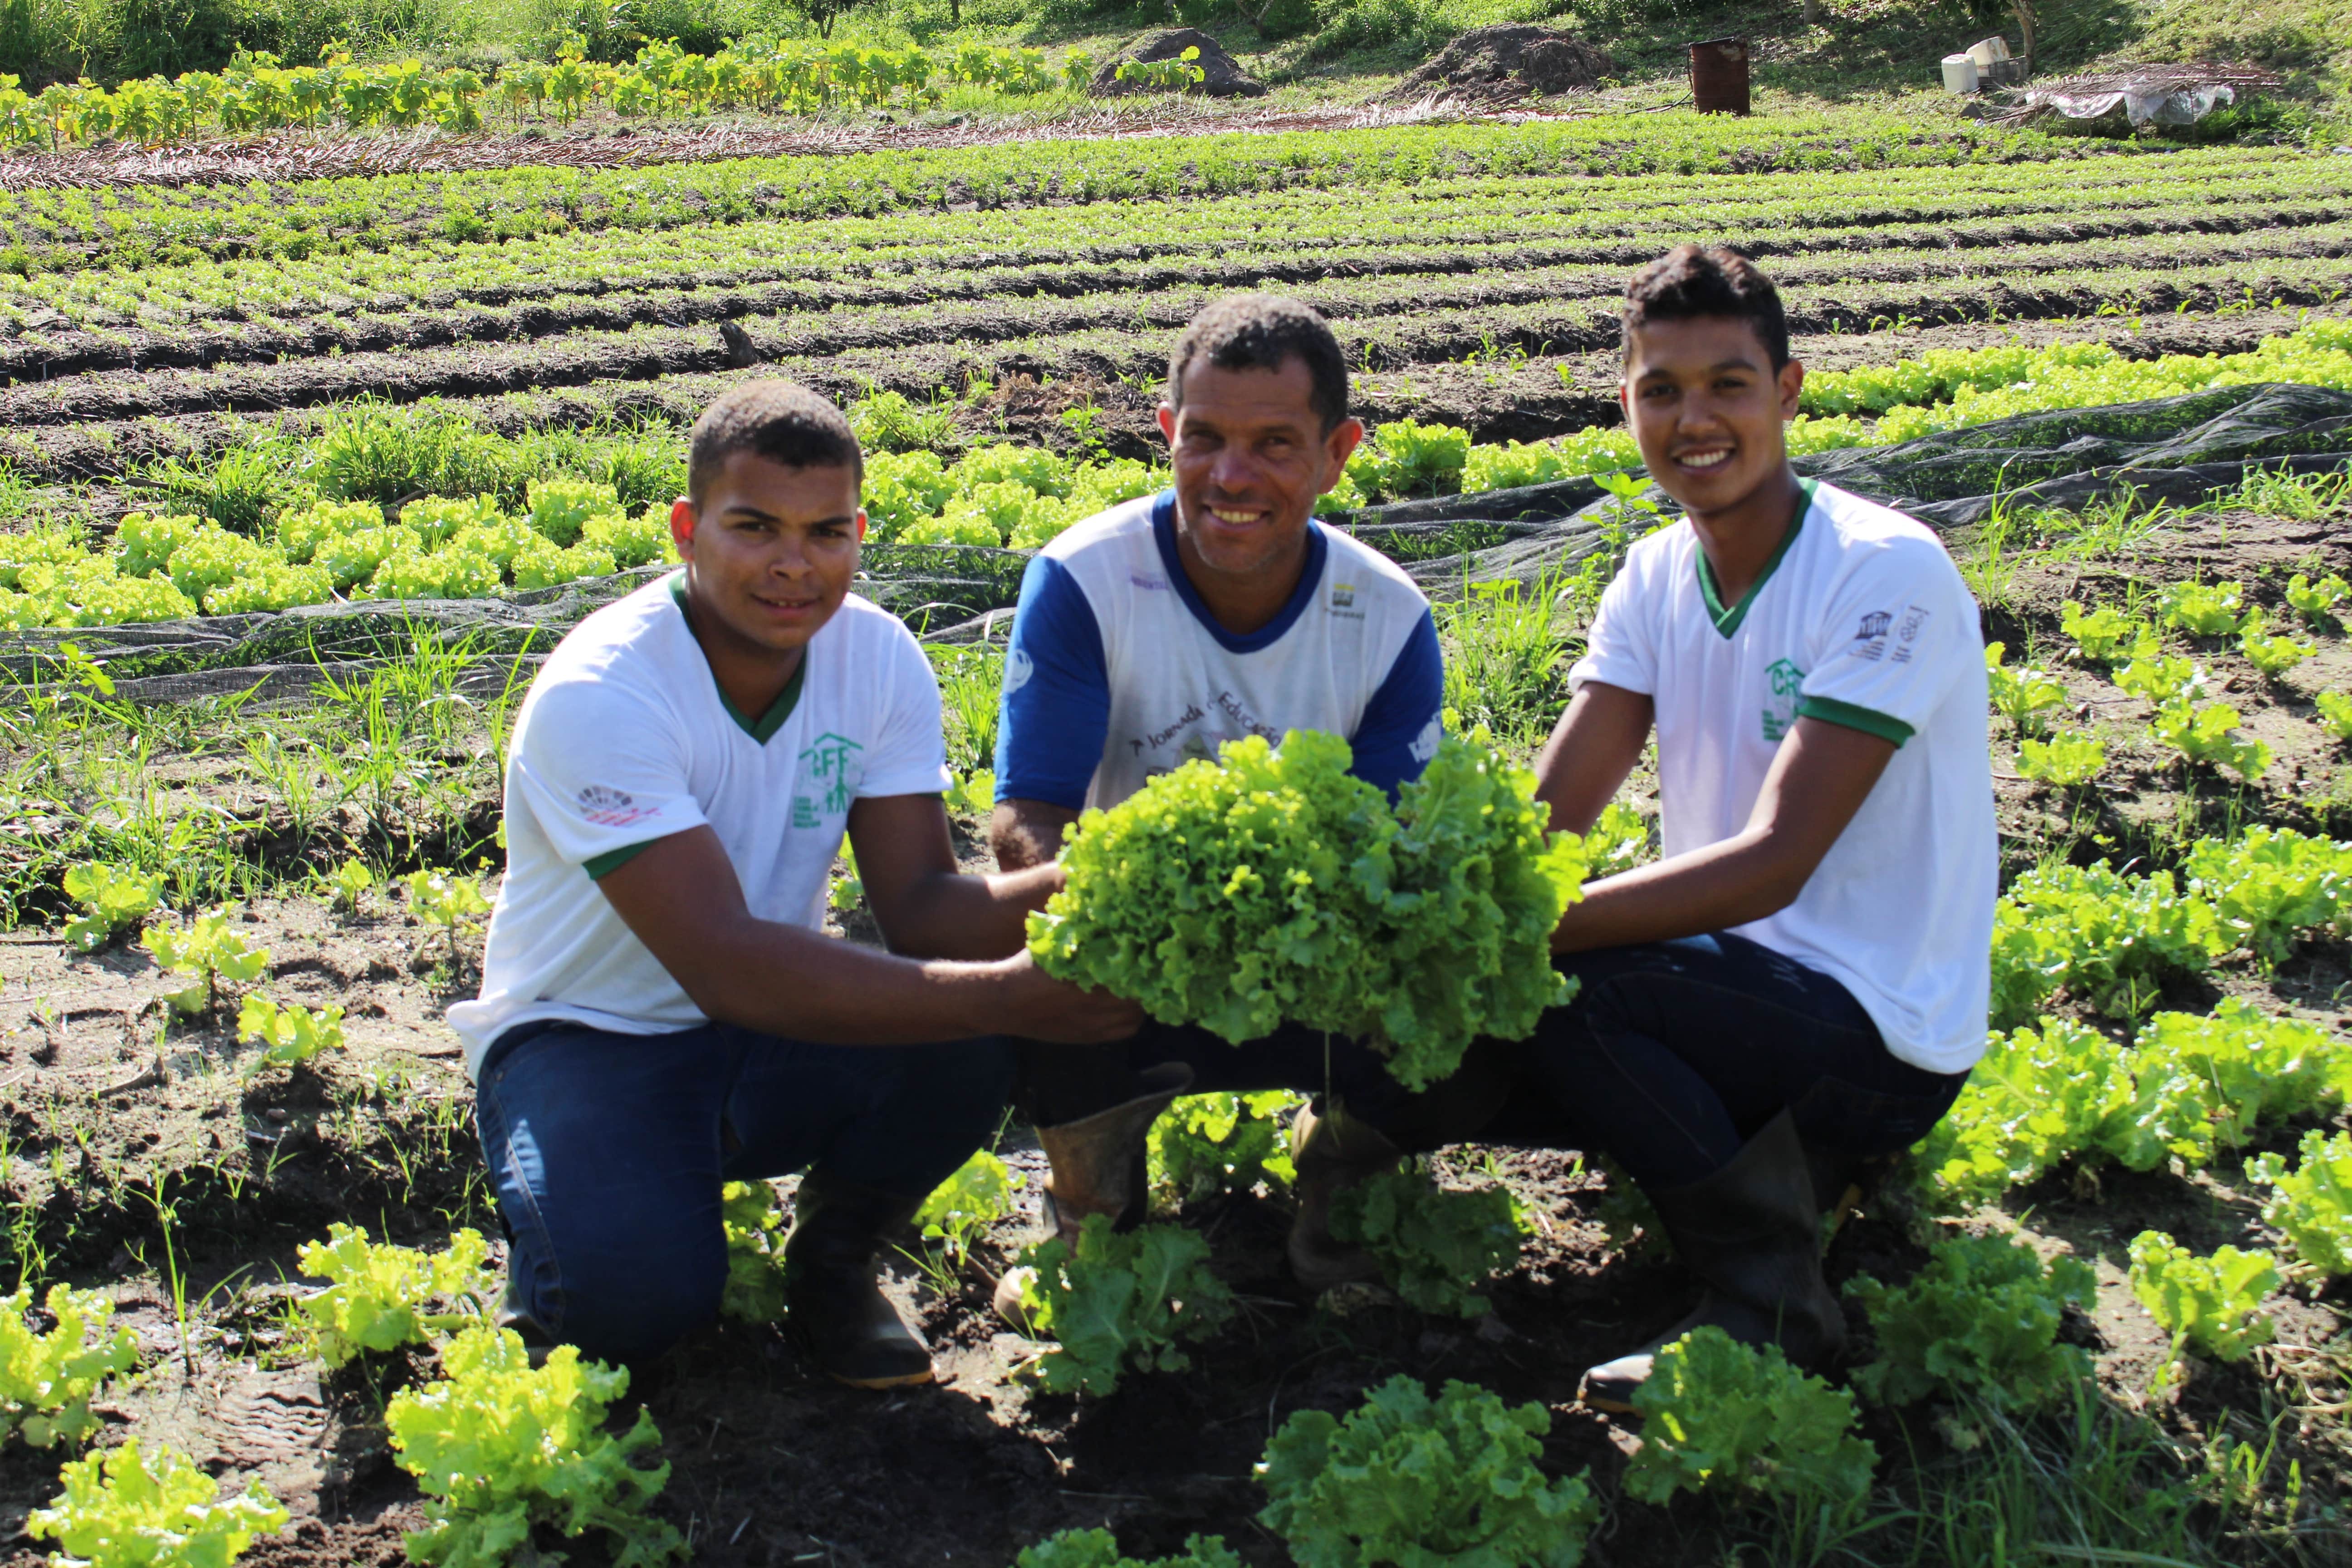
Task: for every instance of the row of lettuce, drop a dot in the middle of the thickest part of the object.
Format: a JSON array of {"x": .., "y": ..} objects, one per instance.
[
  {"x": 320, "y": 541},
  {"x": 259, "y": 92}
]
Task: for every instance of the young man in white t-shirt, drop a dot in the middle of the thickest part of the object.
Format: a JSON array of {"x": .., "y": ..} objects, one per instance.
[
  {"x": 1154, "y": 633},
  {"x": 660, "y": 1011},
  {"x": 1799, "y": 984}
]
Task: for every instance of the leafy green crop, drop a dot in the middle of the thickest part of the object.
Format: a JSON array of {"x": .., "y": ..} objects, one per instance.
[
  {"x": 1100, "y": 1549},
  {"x": 2162, "y": 678},
  {"x": 206, "y": 955},
  {"x": 2271, "y": 884},
  {"x": 1123, "y": 1300},
  {"x": 1210, "y": 1144},
  {"x": 2316, "y": 601},
  {"x": 1719, "y": 1414},
  {"x": 2106, "y": 937},
  {"x": 377, "y": 1294},
  {"x": 2020, "y": 694},
  {"x": 498, "y": 1446},
  {"x": 2336, "y": 714},
  {"x": 1273, "y": 886},
  {"x": 960, "y": 1208},
  {"x": 290, "y": 1035},
  {"x": 1434, "y": 1247},
  {"x": 1405, "y": 1478},
  {"x": 450, "y": 900},
  {"x": 2312, "y": 1204},
  {"x": 2210, "y": 1080},
  {"x": 753, "y": 1223},
  {"x": 112, "y": 897},
  {"x": 2065, "y": 760},
  {"x": 2106, "y": 635},
  {"x": 2272, "y": 653},
  {"x": 2209, "y": 734},
  {"x": 2203, "y": 609},
  {"x": 150, "y": 1508},
  {"x": 2213, "y": 1303},
  {"x": 1980, "y": 1320},
  {"x": 1622, "y": 839},
  {"x": 350, "y": 881},
  {"x": 2038, "y": 1097},
  {"x": 46, "y": 1379}
]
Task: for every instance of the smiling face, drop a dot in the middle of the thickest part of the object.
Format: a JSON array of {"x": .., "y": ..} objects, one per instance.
[
  {"x": 1251, "y": 456},
  {"x": 1706, "y": 408},
  {"x": 769, "y": 550}
]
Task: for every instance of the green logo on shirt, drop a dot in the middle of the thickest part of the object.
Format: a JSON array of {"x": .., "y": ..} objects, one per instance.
[
  {"x": 830, "y": 763},
  {"x": 1781, "y": 711}
]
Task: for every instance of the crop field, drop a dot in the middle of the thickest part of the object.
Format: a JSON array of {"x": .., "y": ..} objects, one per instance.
[{"x": 299, "y": 478}]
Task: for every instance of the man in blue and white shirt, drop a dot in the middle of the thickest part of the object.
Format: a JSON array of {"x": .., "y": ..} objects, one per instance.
[{"x": 1154, "y": 633}]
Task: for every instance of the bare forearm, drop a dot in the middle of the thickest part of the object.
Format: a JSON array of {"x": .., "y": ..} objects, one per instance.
[
  {"x": 961, "y": 917},
  {"x": 783, "y": 980},
  {"x": 1741, "y": 878}
]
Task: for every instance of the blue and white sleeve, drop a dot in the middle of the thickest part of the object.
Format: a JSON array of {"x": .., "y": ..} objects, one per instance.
[
  {"x": 1401, "y": 726},
  {"x": 1055, "y": 711}
]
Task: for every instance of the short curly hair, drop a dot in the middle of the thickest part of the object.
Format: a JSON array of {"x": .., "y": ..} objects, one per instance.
[
  {"x": 1692, "y": 282},
  {"x": 1262, "y": 332},
  {"x": 782, "y": 421}
]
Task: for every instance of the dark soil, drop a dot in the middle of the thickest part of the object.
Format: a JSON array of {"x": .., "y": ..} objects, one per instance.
[
  {"x": 1508, "y": 62},
  {"x": 1221, "y": 75}
]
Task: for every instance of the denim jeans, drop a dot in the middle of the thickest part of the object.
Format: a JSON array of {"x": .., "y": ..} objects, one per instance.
[
  {"x": 607, "y": 1152},
  {"x": 1674, "y": 1053}
]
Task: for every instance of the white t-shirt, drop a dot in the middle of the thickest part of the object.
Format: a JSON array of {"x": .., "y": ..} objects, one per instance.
[
  {"x": 1862, "y": 620},
  {"x": 625, "y": 738},
  {"x": 1116, "y": 671}
]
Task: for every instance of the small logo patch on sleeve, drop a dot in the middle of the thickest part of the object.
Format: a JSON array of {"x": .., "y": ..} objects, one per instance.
[{"x": 609, "y": 807}]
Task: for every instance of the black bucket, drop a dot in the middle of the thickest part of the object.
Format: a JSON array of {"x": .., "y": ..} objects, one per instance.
[{"x": 1718, "y": 70}]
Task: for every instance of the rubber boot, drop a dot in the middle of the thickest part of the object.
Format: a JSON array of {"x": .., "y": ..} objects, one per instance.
[
  {"x": 1752, "y": 1231},
  {"x": 1331, "y": 1153},
  {"x": 833, "y": 1308},
  {"x": 1097, "y": 1167}
]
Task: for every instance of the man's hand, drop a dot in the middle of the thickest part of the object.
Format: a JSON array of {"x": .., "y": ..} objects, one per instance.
[
  {"x": 1027, "y": 833},
  {"x": 1820, "y": 777},
  {"x": 1039, "y": 1008}
]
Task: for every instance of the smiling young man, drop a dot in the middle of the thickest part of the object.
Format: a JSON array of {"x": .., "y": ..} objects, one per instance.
[
  {"x": 660, "y": 1011},
  {"x": 1154, "y": 633},
  {"x": 1799, "y": 984}
]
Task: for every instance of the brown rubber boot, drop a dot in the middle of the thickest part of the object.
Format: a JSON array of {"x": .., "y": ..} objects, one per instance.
[
  {"x": 1331, "y": 1153},
  {"x": 833, "y": 1308},
  {"x": 1097, "y": 1167},
  {"x": 1752, "y": 1231}
]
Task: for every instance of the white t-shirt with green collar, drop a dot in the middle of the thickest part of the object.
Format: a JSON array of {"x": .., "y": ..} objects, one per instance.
[
  {"x": 626, "y": 738},
  {"x": 1861, "y": 619}
]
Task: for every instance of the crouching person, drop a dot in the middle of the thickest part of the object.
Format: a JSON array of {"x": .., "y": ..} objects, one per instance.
[
  {"x": 1800, "y": 984},
  {"x": 660, "y": 1011}
]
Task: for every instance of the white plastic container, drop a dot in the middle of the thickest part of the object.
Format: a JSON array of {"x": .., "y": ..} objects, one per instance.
[
  {"x": 1991, "y": 51},
  {"x": 1960, "y": 73}
]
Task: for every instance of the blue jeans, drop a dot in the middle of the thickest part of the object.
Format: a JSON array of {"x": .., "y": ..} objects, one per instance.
[
  {"x": 1674, "y": 1053},
  {"x": 607, "y": 1152}
]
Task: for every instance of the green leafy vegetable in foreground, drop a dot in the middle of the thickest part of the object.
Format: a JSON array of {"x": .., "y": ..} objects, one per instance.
[
  {"x": 1434, "y": 1247},
  {"x": 498, "y": 1446},
  {"x": 46, "y": 1379},
  {"x": 2313, "y": 1204},
  {"x": 1210, "y": 1144},
  {"x": 1405, "y": 1478},
  {"x": 377, "y": 1294},
  {"x": 1275, "y": 887},
  {"x": 1716, "y": 1412},
  {"x": 2212, "y": 1303},
  {"x": 1122, "y": 1300},
  {"x": 754, "y": 1227},
  {"x": 1100, "y": 1549},
  {"x": 134, "y": 1508},
  {"x": 1980, "y": 1320}
]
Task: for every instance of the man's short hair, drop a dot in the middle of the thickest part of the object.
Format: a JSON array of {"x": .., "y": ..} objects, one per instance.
[
  {"x": 782, "y": 421},
  {"x": 1692, "y": 282},
  {"x": 1264, "y": 331}
]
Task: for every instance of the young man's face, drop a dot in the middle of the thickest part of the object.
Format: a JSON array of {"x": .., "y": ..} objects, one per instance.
[
  {"x": 1705, "y": 407},
  {"x": 1251, "y": 456},
  {"x": 770, "y": 549}
]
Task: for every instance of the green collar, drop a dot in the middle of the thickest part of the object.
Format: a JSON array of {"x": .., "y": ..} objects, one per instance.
[
  {"x": 768, "y": 724},
  {"x": 1727, "y": 621}
]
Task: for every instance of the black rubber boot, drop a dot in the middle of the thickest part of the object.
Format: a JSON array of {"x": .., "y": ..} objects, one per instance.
[
  {"x": 1097, "y": 1167},
  {"x": 833, "y": 1309},
  {"x": 1331, "y": 1152},
  {"x": 1752, "y": 1231}
]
